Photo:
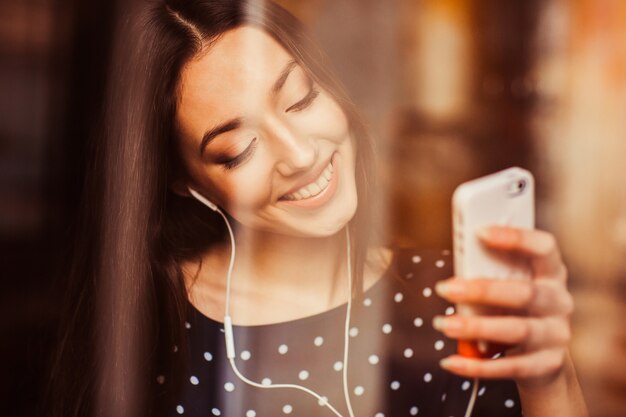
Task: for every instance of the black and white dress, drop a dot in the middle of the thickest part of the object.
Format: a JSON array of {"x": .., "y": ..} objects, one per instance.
[{"x": 392, "y": 367}]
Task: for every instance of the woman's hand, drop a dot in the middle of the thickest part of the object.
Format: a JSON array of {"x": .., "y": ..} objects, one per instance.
[{"x": 538, "y": 326}]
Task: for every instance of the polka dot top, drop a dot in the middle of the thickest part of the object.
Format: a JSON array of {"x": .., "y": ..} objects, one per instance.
[{"x": 392, "y": 367}]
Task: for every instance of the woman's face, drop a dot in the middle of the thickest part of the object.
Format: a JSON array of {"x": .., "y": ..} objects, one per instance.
[{"x": 262, "y": 140}]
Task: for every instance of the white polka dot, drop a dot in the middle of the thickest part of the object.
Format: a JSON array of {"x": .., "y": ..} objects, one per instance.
[
  {"x": 379, "y": 415},
  {"x": 428, "y": 377},
  {"x": 445, "y": 252},
  {"x": 208, "y": 357},
  {"x": 282, "y": 349},
  {"x": 266, "y": 381},
  {"x": 427, "y": 292},
  {"x": 354, "y": 332},
  {"x": 216, "y": 412},
  {"x": 408, "y": 353},
  {"x": 303, "y": 375},
  {"x": 359, "y": 390},
  {"x": 250, "y": 413},
  {"x": 416, "y": 259},
  {"x": 395, "y": 385},
  {"x": 481, "y": 391},
  {"x": 338, "y": 366},
  {"x": 449, "y": 311},
  {"x": 245, "y": 355},
  {"x": 465, "y": 385},
  {"x": 318, "y": 341},
  {"x": 387, "y": 328},
  {"x": 443, "y": 397},
  {"x": 439, "y": 345},
  {"x": 440, "y": 263},
  {"x": 409, "y": 275},
  {"x": 322, "y": 401},
  {"x": 180, "y": 409},
  {"x": 187, "y": 325},
  {"x": 161, "y": 379},
  {"x": 229, "y": 387},
  {"x": 413, "y": 411},
  {"x": 418, "y": 322},
  {"x": 175, "y": 349},
  {"x": 194, "y": 380},
  {"x": 367, "y": 302},
  {"x": 509, "y": 403},
  {"x": 287, "y": 409},
  {"x": 373, "y": 359},
  {"x": 398, "y": 297}
]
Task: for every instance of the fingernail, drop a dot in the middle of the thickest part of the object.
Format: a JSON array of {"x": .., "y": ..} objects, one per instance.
[
  {"x": 446, "y": 288},
  {"x": 448, "y": 324},
  {"x": 439, "y": 323},
  {"x": 484, "y": 233},
  {"x": 445, "y": 363},
  {"x": 442, "y": 288}
]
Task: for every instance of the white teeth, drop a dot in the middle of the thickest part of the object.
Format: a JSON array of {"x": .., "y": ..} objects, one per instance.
[
  {"x": 321, "y": 182},
  {"x": 313, "y": 188},
  {"x": 305, "y": 192}
]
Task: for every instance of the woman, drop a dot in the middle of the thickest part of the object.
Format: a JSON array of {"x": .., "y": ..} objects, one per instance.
[{"x": 228, "y": 101}]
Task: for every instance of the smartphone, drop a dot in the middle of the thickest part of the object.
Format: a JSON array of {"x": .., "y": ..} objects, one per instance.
[{"x": 505, "y": 198}]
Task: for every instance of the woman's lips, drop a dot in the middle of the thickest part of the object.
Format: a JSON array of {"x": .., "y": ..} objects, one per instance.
[
  {"x": 313, "y": 188},
  {"x": 321, "y": 198}
]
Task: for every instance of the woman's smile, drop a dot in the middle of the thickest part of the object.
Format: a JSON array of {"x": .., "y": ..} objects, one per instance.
[{"x": 315, "y": 193}]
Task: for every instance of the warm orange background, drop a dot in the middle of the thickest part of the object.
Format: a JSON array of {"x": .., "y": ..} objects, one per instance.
[{"x": 451, "y": 89}]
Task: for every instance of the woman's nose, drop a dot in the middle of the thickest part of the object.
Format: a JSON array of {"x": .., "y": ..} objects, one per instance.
[{"x": 295, "y": 152}]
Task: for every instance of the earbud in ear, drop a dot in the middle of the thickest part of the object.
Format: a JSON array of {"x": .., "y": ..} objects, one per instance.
[{"x": 202, "y": 199}]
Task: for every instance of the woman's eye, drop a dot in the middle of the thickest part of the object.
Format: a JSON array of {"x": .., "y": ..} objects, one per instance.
[
  {"x": 305, "y": 102},
  {"x": 231, "y": 163}
]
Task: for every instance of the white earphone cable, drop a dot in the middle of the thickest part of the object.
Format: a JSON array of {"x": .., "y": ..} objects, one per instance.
[
  {"x": 346, "y": 333},
  {"x": 230, "y": 341},
  {"x": 228, "y": 327},
  {"x": 472, "y": 400}
]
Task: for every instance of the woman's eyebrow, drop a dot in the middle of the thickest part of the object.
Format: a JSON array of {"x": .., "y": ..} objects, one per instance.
[
  {"x": 218, "y": 130},
  {"x": 283, "y": 76}
]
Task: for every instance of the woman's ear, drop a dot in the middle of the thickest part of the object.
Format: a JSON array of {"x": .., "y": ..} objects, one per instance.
[{"x": 179, "y": 186}]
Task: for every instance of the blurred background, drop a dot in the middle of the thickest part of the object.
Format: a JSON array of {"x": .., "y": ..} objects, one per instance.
[{"x": 452, "y": 90}]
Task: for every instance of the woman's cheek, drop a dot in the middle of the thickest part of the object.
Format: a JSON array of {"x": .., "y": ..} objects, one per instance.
[
  {"x": 326, "y": 120},
  {"x": 246, "y": 189}
]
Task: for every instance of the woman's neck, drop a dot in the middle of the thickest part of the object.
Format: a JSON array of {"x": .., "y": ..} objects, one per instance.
[
  {"x": 277, "y": 262},
  {"x": 276, "y": 277}
]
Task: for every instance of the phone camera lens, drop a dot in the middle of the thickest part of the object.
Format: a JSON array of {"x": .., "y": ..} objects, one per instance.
[{"x": 517, "y": 187}]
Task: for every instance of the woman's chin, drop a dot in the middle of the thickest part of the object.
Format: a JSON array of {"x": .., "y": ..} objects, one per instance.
[{"x": 326, "y": 227}]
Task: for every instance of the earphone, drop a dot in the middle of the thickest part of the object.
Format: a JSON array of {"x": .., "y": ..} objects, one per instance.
[
  {"x": 228, "y": 326},
  {"x": 230, "y": 340}
]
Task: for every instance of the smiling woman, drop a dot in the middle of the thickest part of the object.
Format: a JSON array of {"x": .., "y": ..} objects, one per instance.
[
  {"x": 237, "y": 109},
  {"x": 266, "y": 133}
]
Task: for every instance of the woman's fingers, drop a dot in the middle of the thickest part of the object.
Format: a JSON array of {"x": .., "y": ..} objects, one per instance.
[
  {"x": 539, "y": 364},
  {"x": 528, "y": 334},
  {"x": 541, "y": 331},
  {"x": 539, "y": 246},
  {"x": 538, "y": 297}
]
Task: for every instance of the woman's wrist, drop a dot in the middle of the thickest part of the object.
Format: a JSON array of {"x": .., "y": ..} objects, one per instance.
[{"x": 555, "y": 394}]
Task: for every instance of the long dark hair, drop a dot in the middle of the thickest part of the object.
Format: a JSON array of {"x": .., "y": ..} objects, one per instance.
[{"x": 127, "y": 305}]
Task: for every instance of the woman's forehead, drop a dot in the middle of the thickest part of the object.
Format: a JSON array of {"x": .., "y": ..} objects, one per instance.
[{"x": 236, "y": 72}]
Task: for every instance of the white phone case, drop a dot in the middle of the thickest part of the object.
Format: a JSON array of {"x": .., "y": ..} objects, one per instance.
[{"x": 505, "y": 198}]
